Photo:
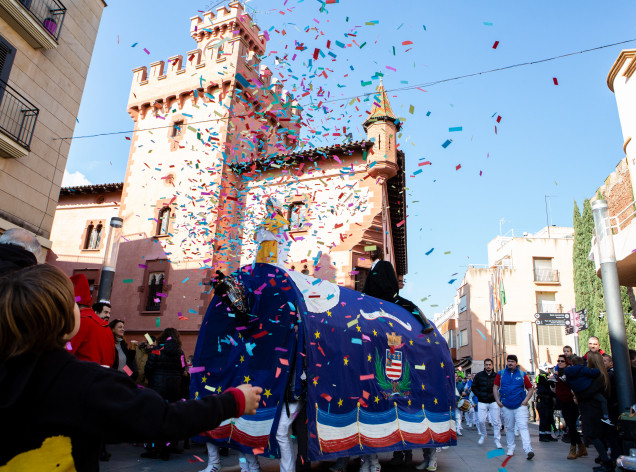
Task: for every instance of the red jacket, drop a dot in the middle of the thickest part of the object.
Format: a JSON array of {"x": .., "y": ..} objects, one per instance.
[{"x": 95, "y": 341}]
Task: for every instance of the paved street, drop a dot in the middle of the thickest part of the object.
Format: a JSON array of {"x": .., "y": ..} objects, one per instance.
[{"x": 467, "y": 457}]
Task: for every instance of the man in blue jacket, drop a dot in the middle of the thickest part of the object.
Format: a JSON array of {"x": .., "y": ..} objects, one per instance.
[{"x": 512, "y": 391}]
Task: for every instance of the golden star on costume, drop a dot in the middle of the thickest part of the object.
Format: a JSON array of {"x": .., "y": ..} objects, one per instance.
[
  {"x": 247, "y": 379},
  {"x": 409, "y": 402},
  {"x": 369, "y": 358},
  {"x": 315, "y": 381},
  {"x": 346, "y": 361},
  {"x": 340, "y": 402},
  {"x": 267, "y": 393},
  {"x": 428, "y": 340},
  {"x": 242, "y": 359},
  {"x": 435, "y": 401},
  {"x": 442, "y": 365},
  {"x": 358, "y": 328},
  {"x": 317, "y": 334},
  {"x": 377, "y": 399},
  {"x": 204, "y": 379},
  {"x": 423, "y": 387},
  {"x": 390, "y": 324},
  {"x": 375, "y": 333},
  {"x": 411, "y": 342},
  {"x": 328, "y": 313}
]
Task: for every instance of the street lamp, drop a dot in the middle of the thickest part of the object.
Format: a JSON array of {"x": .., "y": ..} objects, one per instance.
[
  {"x": 613, "y": 305},
  {"x": 110, "y": 260}
]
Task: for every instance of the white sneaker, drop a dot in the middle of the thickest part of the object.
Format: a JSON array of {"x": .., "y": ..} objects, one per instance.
[
  {"x": 432, "y": 466},
  {"x": 481, "y": 440},
  {"x": 497, "y": 444},
  {"x": 422, "y": 465},
  {"x": 459, "y": 433},
  {"x": 510, "y": 452}
]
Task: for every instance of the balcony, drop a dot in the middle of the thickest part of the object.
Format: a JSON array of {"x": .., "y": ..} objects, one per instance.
[
  {"x": 38, "y": 21},
  {"x": 17, "y": 121},
  {"x": 549, "y": 276},
  {"x": 549, "y": 307}
]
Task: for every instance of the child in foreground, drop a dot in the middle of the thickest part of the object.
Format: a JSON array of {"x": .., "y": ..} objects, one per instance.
[
  {"x": 581, "y": 380},
  {"x": 56, "y": 409}
]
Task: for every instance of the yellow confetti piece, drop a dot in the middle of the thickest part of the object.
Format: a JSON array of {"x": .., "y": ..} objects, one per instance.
[
  {"x": 212, "y": 389},
  {"x": 148, "y": 338},
  {"x": 352, "y": 322},
  {"x": 420, "y": 367},
  {"x": 370, "y": 248}
]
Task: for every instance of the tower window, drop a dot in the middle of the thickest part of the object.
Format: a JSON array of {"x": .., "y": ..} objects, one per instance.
[
  {"x": 93, "y": 236},
  {"x": 177, "y": 128},
  {"x": 155, "y": 286},
  {"x": 163, "y": 224}
]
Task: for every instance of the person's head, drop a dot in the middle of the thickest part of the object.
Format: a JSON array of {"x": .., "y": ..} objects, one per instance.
[
  {"x": 563, "y": 361},
  {"x": 22, "y": 238},
  {"x": 488, "y": 365},
  {"x": 169, "y": 334},
  {"x": 608, "y": 361},
  {"x": 82, "y": 290},
  {"x": 37, "y": 311},
  {"x": 593, "y": 344},
  {"x": 578, "y": 360},
  {"x": 102, "y": 309},
  {"x": 117, "y": 327},
  {"x": 632, "y": 358},
  {"x": 567, "y": 350},
  {"x": 595, "y": 361},
  {"x": 511, "y": 361},
  {"x": 376, "y": 253}
]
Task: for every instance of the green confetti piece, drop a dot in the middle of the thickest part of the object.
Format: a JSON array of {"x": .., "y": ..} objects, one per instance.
[
  {"x": 411, "y": 109},
  {"x": 158, "y": 322},
  {"x": 128, "y": 281}
]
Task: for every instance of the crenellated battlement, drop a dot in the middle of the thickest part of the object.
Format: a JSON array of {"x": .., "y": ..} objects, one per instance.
[{"x": 227, "y": 25}]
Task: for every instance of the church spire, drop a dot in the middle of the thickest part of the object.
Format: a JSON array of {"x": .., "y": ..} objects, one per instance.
[{"x": 381, "y": 109}]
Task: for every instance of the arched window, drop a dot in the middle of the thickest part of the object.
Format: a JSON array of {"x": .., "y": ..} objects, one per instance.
[
  {"x": 297, "y": 215},
  {"x": 163, "y": 224},
  {"x": 93, "y": 236},
  {"x": 155, "y": 287}
]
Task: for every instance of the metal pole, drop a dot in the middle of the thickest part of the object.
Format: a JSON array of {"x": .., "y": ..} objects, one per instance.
[
  {"x": 110, "y": 260},
  {"x": 613, "y": 305}
]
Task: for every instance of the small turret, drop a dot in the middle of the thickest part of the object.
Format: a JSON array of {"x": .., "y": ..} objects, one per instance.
[{"x": 382, "y": 126}]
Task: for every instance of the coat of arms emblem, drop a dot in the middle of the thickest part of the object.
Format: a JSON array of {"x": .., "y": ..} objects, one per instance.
[{"x": 395, "y": 370}]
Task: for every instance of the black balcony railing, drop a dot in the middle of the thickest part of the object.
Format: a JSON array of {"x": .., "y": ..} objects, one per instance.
[
  {"x": 17, "y": 115},
  {"x": 48, "y": 12},
  {"x": 546, "y": 275}
]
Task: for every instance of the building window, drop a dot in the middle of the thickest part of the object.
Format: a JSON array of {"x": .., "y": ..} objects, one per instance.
[
  {"x": 177, "y": 128},
  {"x": 297, "y": 216},
  {"x": 155, "y": 287},
  {"x": 510, "y": 334},
  {"x": 543, "y": 271},
  {"x": 463, "y": 338},
  {"x": 94, "y": 235},
  {"x": 462, "y": 304},
  {"x": 163, "y": 222},
  {"x": 360, "y": 278},
  {"x": 7, "y": 53},
  {"x": 550, "y": 335},
  {"x": 546, "y": 303}
]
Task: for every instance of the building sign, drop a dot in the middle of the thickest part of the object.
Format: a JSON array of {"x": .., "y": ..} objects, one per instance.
[{"x": 553, "y": 319}]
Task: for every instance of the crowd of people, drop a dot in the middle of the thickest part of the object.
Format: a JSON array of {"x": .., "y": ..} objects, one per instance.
[{"x": 578, "y": 393}]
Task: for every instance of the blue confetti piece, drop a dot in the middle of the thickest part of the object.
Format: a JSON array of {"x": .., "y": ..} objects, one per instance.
[
  {"x": 249, "y": 347},
  {"x": 134, "y": 45},
  {"x": 185, "y": 280},
  {"x": 194, "y": 312},
  {"x": 428, "y": 113},
  {"x": 483, "y": 336},
  {"x": 429, "y": 252},
  {"x": 446, "y": 143},
  {"x": 356, "y": 341},
  {"x": 495, "y": 453},
  {"x": 451, "y": 281},
  {"x": 242, "y": 80},
  {"x": 455, "y": 128}
]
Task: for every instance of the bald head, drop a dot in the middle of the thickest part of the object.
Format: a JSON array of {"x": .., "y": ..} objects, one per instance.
[{"x": 22, "y": 238}]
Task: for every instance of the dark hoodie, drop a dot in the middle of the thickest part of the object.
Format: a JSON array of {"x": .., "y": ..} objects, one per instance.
[
  {"x": 14, "y": 258},
  {"x": 164, "y": 369},
  {"x": 580, "y": 377},
  {"x": 55, "y": 394}
]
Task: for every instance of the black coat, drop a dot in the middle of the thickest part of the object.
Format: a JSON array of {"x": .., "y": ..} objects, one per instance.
[
  {"x": 14, "y": 258},
  {"x": 131, "y": 360},
  {"x": 482, "y": 386},
  {"x": 591, "y": 412},
  {"x": 55, "y": 394},
  {"x": 381, "y": 282},
  {"x": 164, "y": 369}
]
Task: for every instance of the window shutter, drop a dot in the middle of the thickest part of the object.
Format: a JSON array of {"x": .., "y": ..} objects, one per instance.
[{"x": 7, "y": 52}]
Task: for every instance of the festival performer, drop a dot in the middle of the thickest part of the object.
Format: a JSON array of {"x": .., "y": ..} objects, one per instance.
[
  {"x": 271, "y": 235},
  {"x": 381, "y": 282}
]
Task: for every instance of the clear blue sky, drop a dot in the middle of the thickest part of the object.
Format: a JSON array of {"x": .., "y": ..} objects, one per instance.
[{"x": 558, "y": 140}]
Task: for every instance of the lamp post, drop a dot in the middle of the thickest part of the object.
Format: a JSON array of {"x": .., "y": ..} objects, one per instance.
[
  {"x": 110, "y": 260},
  {"x": 613, "y": 305}
]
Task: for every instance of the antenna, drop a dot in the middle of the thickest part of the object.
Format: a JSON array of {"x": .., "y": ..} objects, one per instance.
[{"x": 547, "y": 219}]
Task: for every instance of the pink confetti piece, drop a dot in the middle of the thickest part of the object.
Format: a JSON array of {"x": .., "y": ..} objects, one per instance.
[
  {"x": 68, "y": 346},
  {"x": 128, "y": 371},
  {"x": 391, "y": 68},
  {"x": 494, "y": 46},
  {"x": 77, "y": 299},
  {"x": 277, "y": 372},
  {"x": 556, "y": 82},
  {"x": 146, "y": 51},
  {"x": 366, "y": 377},
  {"x": 194, "y": 370}
]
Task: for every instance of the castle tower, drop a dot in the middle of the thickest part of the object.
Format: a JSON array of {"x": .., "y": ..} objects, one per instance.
[
  {"x": 382, "y": 126},
  {"x": 197, "y": 115}
]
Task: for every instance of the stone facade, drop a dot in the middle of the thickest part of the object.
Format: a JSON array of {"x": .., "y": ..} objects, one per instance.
[
  {"x": 49, "y": 74},
  {"x": 215, "y": 135}
]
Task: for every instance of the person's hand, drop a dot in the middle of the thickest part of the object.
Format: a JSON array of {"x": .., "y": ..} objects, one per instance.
[
  {"x": 500, "y": 404},
  {"x": 524, "y": 403},
  {"x": 252, "y": 398}
]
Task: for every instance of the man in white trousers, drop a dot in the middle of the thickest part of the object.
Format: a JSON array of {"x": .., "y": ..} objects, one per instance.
[
  {"x": 512, "y": 390},
  {"x": 283, "y": 436},
  {"x": 487, "y": 407}
]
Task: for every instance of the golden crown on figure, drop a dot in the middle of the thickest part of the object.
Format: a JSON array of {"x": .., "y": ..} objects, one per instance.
[{"x": 394, "y": 340}]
